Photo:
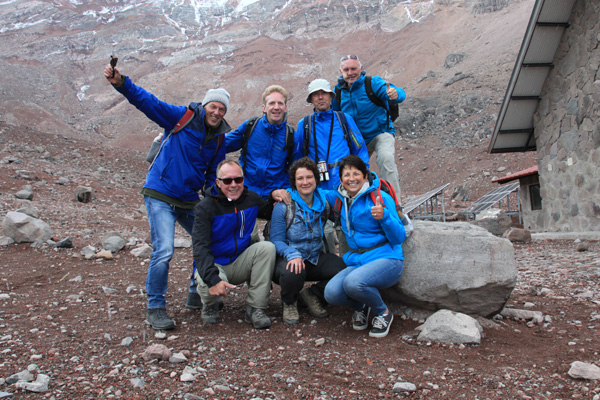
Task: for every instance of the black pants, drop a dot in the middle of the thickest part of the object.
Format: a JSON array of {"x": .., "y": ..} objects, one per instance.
[{"x": 292, "y": 283}]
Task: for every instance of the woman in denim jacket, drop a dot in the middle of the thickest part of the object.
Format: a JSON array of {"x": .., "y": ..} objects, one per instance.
[
  {"x": 298, "y": 238},
  {"x": 374, "y": 234}
]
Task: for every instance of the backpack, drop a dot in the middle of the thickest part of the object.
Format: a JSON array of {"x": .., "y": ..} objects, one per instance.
[
  {"x": 389, "y": 189},
  {"x": 182, "y": 123},
  {"x": 289, "y": 140},
  {"x": 392, "y": 112},
  {"x": 308, "y": 124}
]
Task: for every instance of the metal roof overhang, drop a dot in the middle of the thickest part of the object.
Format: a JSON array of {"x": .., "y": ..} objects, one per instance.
[{"x": 514, "y": 129}]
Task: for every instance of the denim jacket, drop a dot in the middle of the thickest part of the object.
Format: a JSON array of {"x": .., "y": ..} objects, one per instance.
[{"x": 304, "y": 236}]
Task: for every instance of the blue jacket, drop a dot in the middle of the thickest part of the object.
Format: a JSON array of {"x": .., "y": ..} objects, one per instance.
[
  {"x": 362, "y": 231},
  {"x": 185, "y": 164},
  {"x": 339, "y": 147},
  {"x": 304, "y": 237},
  {"x": 222, "y": 229},
  {"x": 371, "y": 119},
  {"x": 266, "y": 157}
]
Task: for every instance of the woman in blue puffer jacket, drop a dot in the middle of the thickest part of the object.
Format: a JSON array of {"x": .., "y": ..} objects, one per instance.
[
  {"x": 374, "y": 234},
  {"x": 297, "y": 232}
]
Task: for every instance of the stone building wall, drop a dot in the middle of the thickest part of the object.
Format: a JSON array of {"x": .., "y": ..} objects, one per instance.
[{"x": 567, "y": 128}]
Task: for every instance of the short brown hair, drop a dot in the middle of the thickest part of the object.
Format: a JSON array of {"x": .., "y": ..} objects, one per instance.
[{"x": 307, "y": 163}]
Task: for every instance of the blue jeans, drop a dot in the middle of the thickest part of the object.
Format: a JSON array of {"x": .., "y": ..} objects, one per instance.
[
  {"x": 356, "y": 287},
  {"x": 162, "y": 217}
]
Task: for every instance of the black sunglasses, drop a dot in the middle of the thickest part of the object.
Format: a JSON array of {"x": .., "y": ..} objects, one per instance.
[
  {"x": 350, "y": 56},
  {"x": 228, "y": 181}
]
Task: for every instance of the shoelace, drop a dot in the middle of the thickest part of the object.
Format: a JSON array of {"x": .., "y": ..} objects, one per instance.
[
  {"x": 360, "y": 317},
  {"x": 379, "y": 322}
]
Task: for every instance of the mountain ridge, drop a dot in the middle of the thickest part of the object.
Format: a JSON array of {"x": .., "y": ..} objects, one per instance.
[{"x": 58, "y": 50}]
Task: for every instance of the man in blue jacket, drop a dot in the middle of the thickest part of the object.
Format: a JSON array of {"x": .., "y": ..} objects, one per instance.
[
  {"x": 185, "y": 164},
  {"x": 373, "y": 121},
  {"x": 269, "y": 151},
  {"x": 327, "y": 137},
  {"x": 223, "y": 253}
]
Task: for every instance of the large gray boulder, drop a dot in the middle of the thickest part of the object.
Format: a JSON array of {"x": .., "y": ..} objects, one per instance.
[
  {"x": 24, "y": 229},
  {"x": 456, "y": 266}
]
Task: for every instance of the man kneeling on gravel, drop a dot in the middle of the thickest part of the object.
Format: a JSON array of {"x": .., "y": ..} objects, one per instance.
[{"x": 223, "y": 226}]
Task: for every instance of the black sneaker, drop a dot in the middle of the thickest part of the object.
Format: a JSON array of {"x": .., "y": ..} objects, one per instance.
[
  {"x": 158, "y": 319},
  {"x": 194, "y": 302},
  {"x": 360, "y": 319},
  {"x": 381, "y": 325},
  {"x": 210, "y": 314},
  {"x": 257, "y": 318}
]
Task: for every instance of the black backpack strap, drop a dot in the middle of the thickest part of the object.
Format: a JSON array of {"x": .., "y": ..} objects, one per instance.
[
  {"x": 250, "y": 125},
  {"x": 326, "y": 213},
  {"x": 373, "y": 97},
  {"x": 344, "y": 123},
  {"x": 289, "y": 143},
  {"x": 338, "y": 96},
  {"x": 337, "y": 211},
  {"x": 306, "y": 139},
  {"x": 290, "y": 210}
]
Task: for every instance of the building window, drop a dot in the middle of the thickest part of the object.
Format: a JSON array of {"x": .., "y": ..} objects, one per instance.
[{"x": 536, "y": 198}]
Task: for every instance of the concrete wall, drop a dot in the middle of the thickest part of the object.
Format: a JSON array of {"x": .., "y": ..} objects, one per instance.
[{"x": 567, "y": 129}]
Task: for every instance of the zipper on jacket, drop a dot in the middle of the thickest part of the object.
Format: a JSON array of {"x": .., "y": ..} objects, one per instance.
[
  {"x": 243, "y": 227},
  {"x": 235, "y": 243}
]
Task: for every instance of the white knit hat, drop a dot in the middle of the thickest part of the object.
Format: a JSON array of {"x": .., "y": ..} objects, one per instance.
[
  {"x": 319, "y": 84},
  {"x": 220, "y": 95}
]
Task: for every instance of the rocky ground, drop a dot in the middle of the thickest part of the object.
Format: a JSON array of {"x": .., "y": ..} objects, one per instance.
[{"x": 80, "y": 322}]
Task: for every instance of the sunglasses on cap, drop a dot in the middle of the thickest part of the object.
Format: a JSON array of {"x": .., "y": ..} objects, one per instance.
[
  {"x": 228, "y": 181},
  {"x": 350, "y": 56}
]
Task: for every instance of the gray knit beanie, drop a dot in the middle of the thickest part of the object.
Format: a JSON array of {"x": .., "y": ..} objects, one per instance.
[{"x": 220, "y": 95}]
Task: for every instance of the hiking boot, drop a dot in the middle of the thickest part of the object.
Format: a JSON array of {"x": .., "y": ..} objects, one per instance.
[
  {"x": 381, "y": 325},
  {"x": 194, "y": 302},
  {"x": 210, "y": 314},
  {"x": 290, "y": 314},
  {"x": 158, "y": 319},
  {"x": 257, "y": 318},
  {"x": 315, "y": 308},
  {"x": 360, "y": 319}
]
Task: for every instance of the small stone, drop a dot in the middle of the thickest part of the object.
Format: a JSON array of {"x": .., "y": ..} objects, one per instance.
[
  {"x": 581, "y": 370},
  {"x": 157, "y": 351},
  {"x": 182, "y": 243},
  {"x": 66, "y": 243},
  {"x": 404, "y": 387},
  {"x": 88, "y": 252},
  {"x": 137, "y": 383},
  {"x": 187, "y": 377},
  {"x": 177, "y": 358},
  {"x": 40, "y": 385},
  {"x": 126, "y": 341},
  {"x": 106, "y": 254},
  {"x": 108, "y": 290}
]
